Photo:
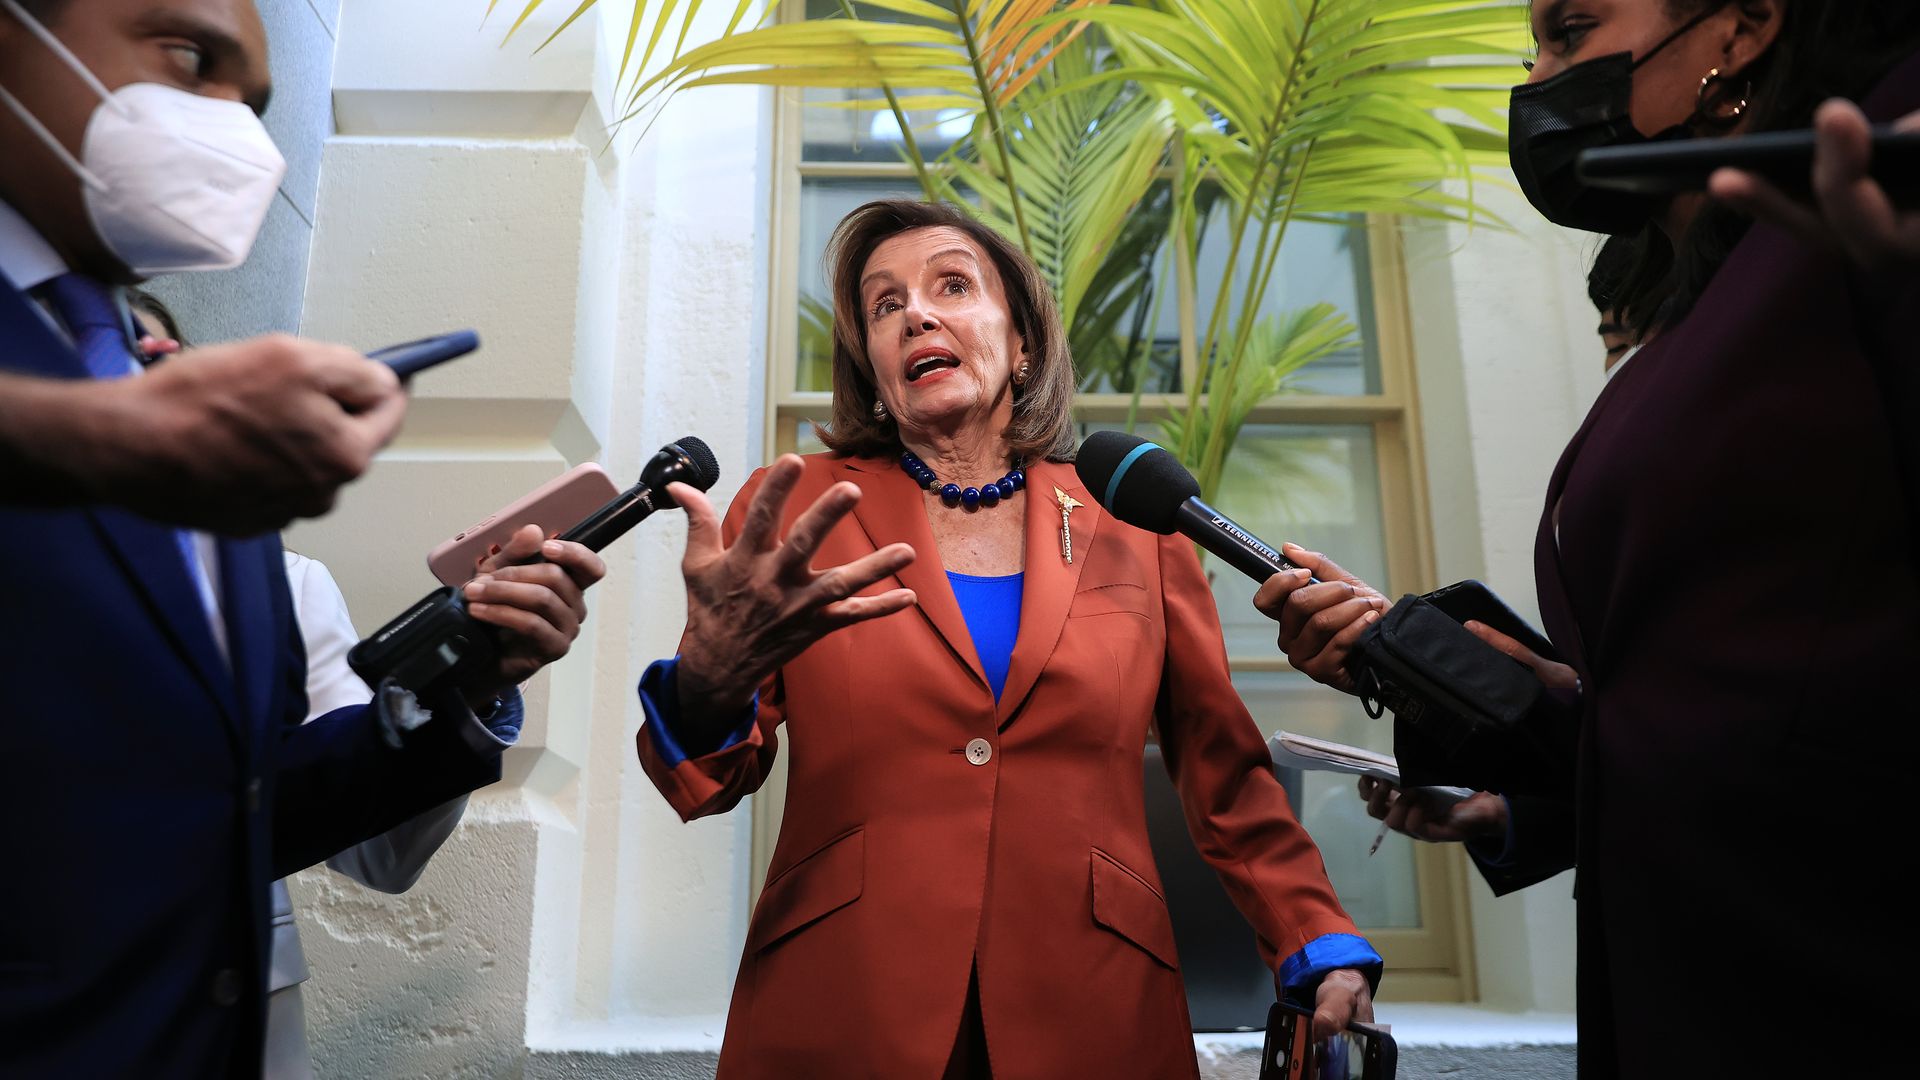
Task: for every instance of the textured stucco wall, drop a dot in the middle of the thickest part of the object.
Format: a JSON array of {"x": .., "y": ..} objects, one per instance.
[
  {"x": 615, "y": 290},
  {"x": 264, "y": 293}
]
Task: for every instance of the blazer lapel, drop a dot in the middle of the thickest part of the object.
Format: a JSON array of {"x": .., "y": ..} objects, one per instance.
[
  {"x": 152, "y": 559},
  {"x": 32, "y": 345},
  {"x": 1051, "y": 581},
  {"x": 145, "y": 550},
  {"x": 1556, "y": 606},
  {"x": 891, "y": 510}
]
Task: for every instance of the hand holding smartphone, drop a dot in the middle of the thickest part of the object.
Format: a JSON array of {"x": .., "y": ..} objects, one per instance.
[
  {"x": 554, "y": 506},
  {"x": 1783, "y": 158},
  {"x": 1362, "y": 1052},
  {"x": 413, "y": 357}
]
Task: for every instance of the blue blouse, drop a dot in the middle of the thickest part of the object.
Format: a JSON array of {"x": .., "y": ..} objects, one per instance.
[{"x": 991, "y": 606}]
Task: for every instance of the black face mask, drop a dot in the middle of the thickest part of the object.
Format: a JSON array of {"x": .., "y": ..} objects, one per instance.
[{"x": 1586, "y": 106}]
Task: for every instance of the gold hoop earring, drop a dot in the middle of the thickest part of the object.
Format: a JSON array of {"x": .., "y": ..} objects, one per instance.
[
  {"x": 880, "y": 410},
  {"x": 1704, "y": 108}
]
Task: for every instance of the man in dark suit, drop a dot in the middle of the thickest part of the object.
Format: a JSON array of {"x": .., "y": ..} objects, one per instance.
[
  {"x": 252, "y": 435},
  {"x": 160, "y": 775}
]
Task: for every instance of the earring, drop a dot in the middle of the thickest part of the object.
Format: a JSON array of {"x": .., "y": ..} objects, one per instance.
[
  {"x": 1707, "y": 89},
  {"x": 879, "y": 410},
  {"x": 1020, "y": 376}
]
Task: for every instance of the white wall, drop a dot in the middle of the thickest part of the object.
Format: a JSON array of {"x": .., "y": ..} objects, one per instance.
[
  {"x": 1507, "y": 361},
  {"x": 617, "y": 293},
  {"x": 621, "y": 292}
]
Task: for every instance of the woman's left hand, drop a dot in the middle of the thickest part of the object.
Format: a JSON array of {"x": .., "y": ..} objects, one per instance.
[
  {"x": 1343, "y": 997},
  {"x": 1851, "y": 210}
]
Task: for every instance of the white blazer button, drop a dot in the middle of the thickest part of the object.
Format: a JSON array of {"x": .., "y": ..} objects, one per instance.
[{"x": 979, "y": 751}]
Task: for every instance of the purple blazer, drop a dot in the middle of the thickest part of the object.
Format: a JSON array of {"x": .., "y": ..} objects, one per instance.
[{"x": 1734, "y": 577}]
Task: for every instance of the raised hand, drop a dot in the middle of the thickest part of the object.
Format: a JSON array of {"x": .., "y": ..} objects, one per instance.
[{"x": 757, "y": 604}]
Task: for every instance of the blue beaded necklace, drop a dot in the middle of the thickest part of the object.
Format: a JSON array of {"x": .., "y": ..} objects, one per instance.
[{"x": 987, "y": 495}]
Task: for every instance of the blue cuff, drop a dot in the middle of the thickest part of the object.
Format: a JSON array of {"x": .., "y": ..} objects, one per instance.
[
  {"x": 1503, "y": 860},
  {"x": 1300, "y": 974},
  {"x": 660, "y": 700}
]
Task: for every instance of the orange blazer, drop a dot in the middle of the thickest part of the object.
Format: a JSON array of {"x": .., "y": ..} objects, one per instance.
[{"x": 904, "y": 860}]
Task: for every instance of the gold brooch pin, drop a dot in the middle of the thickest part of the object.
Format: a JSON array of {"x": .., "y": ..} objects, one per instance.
[{"x": 1068, "y": 504}]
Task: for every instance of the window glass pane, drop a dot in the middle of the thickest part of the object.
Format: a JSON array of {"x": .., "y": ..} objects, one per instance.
[
  {"x": 1378, "y": 890},
  {"x": 832, "y": 134},
  {"x": 1318, "y": 486},
  {"x": 802, "y": 439},
  {"x": 1319, "y": 263},
  {"x": 871, "y": 132}
]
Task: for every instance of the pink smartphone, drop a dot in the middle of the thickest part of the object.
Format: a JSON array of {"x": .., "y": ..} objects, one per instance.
[{"x": 555, "y": 506}]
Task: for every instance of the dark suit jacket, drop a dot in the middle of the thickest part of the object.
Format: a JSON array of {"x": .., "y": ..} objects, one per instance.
[
  {"x": 903, "y": 862},
  {"x": 1735, "y": 580},
  {"x": 153, "y": 791}
]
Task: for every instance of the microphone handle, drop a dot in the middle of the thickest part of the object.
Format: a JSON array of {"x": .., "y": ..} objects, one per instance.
[
  {"x": 610, "y": 522},
  {"x": 1224, "y": 537}
]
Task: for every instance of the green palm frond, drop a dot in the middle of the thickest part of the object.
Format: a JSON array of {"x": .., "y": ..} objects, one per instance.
[
  {"x": 645, "y": 14},
  {"x": 975, "y": 55},
  {"x": 1312, "y": 108},
  {"x": 1278, "y": 349},
  {"x": 1083, "y": 160},
  {"x": 1104, "y": 156}
]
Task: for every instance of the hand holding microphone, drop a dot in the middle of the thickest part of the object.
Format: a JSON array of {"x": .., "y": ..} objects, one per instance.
[
  {"x": 1321, "y": 617},
  {"x": 525, "y": 608},
  {"x": 533, "y": 592},
  {"x": 1322, "y": 609}
]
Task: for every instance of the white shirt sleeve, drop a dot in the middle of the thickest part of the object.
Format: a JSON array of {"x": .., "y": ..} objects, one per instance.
[{"x": 394, "y": 860}]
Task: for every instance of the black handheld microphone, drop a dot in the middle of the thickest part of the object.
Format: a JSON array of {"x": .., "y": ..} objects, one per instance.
[
  {"x": 437, "y": 642},
  {"x": 1144, "y": 485},
  {"x": 687, "y": 461}
]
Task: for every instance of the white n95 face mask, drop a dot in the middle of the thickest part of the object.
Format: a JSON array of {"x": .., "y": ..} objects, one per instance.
[{"x": 173, "y": 181}]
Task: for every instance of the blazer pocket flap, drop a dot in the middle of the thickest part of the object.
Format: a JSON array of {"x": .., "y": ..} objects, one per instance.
[
  {"x": 810, "y": 890},
  {"x": 1105, "y": 599},
  {"x": 1124, "y": 903}
]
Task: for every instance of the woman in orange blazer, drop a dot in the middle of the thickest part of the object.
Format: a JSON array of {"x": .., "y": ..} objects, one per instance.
[{"x": 962, "y": 885}]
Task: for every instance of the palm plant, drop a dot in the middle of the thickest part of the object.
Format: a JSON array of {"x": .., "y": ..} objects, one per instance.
[
  {"x": 1303, "y": 110},
  {"x": 1103, "y": 132}
]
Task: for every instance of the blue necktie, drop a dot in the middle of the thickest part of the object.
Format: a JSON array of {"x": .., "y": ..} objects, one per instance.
[
  {"x": 98, "y": 324},
  {"x": 95, "y": 319}
]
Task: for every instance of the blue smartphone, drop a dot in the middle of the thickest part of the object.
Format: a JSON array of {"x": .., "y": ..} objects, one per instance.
[{"x": 414, "y": 357}]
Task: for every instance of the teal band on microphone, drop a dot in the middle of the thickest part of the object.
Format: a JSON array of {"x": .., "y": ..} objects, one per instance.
[{"x": 1120, "y": 470}]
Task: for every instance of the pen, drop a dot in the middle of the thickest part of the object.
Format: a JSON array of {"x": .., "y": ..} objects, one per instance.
[{"x": 1377, "y": 837}]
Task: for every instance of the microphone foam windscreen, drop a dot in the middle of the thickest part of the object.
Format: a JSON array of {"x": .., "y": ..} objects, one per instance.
[
  {"x": 1139, "y": 482},
  {"x": 706, "y": 468}
]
